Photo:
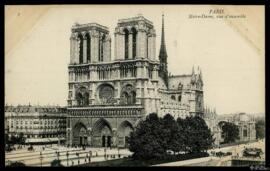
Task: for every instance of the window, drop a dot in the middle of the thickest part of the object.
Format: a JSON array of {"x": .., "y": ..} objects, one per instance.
[
  {"x": 88, "y": 47},
  {"x": 80, "y": 49},
  {"x": 245, "y": 133},
  {"x": 106, "y": 94},
  {"x": 179, "y": 98},
  {"x": 101, "y": 48},
  {"x": 173, "y": 97},
  {"x": 126, "y": 43},
  {"x": 134, "y": 42}
]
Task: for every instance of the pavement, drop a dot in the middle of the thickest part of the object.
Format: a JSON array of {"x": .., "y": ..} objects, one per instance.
[
  {"x": 35, "y": 158},
  {"x": 219, "y": 161}
]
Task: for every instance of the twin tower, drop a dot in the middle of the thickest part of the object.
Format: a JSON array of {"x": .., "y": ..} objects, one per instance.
[{"x": 134, "y": 39}]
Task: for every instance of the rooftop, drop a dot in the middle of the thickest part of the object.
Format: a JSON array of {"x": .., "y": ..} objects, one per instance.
[
  {"x": 88, "y": 26},
  {"x": 137, "y": 18},
  {"x": 33, "y": 109}
]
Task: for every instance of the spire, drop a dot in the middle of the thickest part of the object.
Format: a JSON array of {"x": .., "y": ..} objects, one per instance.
[
  {"x": 163, "y": 50},
  {"x": 163, "y": 72}
]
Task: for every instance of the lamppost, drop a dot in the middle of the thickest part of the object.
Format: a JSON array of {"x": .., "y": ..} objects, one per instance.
[
  {"x": 105, "y": 154},
  {"x": 78, "y": 155},
  {"x": 57, "y": 154},
  {"x": 67, "y": 157},
  {"x": 118, "y": 152},
  {"x": 90, "y": 155},
  {"x": 41, "y": 158}
]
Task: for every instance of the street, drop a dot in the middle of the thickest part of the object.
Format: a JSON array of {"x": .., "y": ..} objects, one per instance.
[{"x": 75, "y": 156}]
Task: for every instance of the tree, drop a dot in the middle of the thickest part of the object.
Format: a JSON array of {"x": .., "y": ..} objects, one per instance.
[
  {"x": 146, "y": 141},
  {"x": 171, "y": 134},
  {"x": 56, "y": 163},
  {"x": 197, "y": 134},
  {"x": 230, "y": 131},
  {"x": 154, "y": 136},
  {"x": 260, "y": 129}
]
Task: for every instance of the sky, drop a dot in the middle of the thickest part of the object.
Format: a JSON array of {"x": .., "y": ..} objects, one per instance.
[{"x": 230, "y": 53}]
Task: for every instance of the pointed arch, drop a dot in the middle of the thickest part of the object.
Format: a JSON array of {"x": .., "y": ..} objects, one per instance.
[
  {"x": 102, "y": 127},
  {"x": 79, "y": 98},
  {"x": 80, "y": 134},
  {"x": 124, "y": 130},
  {"x": 82, "y": 96}
]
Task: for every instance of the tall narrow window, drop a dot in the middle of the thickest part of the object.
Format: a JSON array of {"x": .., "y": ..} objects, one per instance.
[
  {"x": 134, "y": 42},
  {"x": 81, "y": 49},
  {"x": 147, "y": 46},
  {"x": 88, "y": 47},
  {"x": 126, "y": 43},
  {"x": 101, "y": 47}
]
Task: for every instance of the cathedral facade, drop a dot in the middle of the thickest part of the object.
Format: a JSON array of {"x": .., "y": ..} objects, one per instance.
[{"x": 108, "y": 97}]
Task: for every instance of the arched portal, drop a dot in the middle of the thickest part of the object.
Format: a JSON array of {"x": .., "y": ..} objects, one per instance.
[
  {"x": 102, "y": 133},
  {"x": 80, "y": 134},
  {"x": 124, "y": 130}
]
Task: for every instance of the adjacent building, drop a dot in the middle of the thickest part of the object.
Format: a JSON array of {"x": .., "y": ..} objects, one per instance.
[
  {"x": 245, "y": 123},
  {"x": 38, "y": 124},
  {"x": 211, "y": 119}
]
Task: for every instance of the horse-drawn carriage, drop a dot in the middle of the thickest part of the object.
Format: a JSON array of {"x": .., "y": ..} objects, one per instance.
[{"x": 252, "y": 152}]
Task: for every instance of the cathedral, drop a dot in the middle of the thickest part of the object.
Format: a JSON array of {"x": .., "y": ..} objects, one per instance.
[{"x": 107, "y": 97}]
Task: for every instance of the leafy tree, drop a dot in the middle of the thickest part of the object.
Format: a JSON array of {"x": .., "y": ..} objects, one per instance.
[
  {"x": 180, "y": 143},
  {"x": 230, "y": 131},
  {"x": 146, "y": 141},
  {"x": 172, "y": 134},
  {"x": 169, "y": 129},
  {"x": 56, "y": 163},
  {"x": 260, "y": 128},
  {"x": 197, "y": 134},
  {"x": 154, "y": 136}
]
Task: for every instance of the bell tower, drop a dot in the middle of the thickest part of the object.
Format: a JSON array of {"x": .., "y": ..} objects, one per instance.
[{"x": 135, "y": 39}]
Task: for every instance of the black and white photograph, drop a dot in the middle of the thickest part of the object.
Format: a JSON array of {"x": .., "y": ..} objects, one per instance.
[{"x": 134, "y": 85}]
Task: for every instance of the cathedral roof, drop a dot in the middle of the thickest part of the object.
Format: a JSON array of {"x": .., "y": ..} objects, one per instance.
[
  {"x": 33, "y": 109},
  {"x": 174, "y": 81}
]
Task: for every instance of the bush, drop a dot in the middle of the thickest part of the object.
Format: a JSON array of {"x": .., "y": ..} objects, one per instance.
[
  {"x": 16, "y": 164},
  {"x": 56, "y": 163}
]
